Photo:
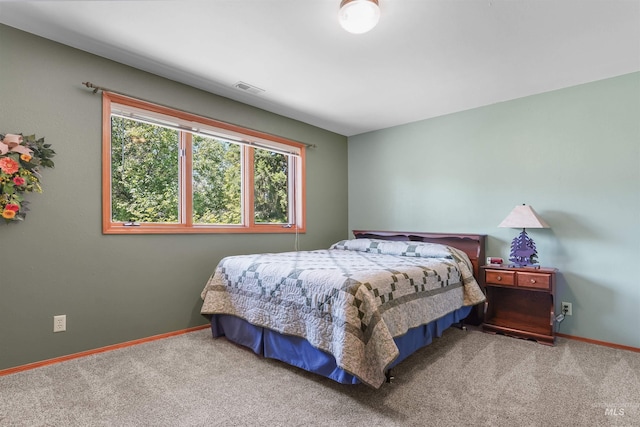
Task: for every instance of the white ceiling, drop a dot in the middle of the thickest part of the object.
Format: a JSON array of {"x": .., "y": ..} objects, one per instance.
[{"x": 425, "y": 58}]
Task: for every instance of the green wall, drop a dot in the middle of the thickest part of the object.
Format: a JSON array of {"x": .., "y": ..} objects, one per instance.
[
  {"x": 573, "y": 154},
  {"x": 119, "y": 288}
]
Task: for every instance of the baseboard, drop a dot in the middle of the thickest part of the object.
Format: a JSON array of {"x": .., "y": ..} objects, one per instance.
[
  {"x": 60, "y": 359},
  {"x": 98, "y": 350},
  {"x": 603, "y": 343}
]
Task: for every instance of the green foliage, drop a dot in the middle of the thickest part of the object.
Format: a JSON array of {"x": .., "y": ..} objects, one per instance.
[
  {"x": 144, "y": 172},
  {"x": 145, "y": 178},
  {"x": 270, "y": 195},
  {"x": 217, "y": 182},
  {"x": 42, "y": 153}
]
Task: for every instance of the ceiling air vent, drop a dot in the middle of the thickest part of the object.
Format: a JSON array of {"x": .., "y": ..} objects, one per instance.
[{"x": 248, "y": 88}]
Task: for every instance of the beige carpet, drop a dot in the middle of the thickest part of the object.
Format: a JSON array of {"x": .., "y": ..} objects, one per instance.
[{"x": 463, "y": 378}]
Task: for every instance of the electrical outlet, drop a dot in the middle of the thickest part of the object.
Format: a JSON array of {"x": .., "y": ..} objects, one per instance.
[
  {"x": 60, "y": 323},
  {"x": 566, "y": 308}
]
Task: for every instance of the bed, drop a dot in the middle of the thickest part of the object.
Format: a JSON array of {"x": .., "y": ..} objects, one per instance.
[{"x": 353, "y": 311}]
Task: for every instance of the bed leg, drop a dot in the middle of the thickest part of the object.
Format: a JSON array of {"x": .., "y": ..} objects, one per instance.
[
  {"x": 389, "y": 376},
  {"x": 460, "y": 325}
]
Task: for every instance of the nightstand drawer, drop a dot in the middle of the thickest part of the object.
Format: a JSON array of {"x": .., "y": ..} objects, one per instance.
[
  {"x": 496, "y": 277},
  {"x": 534, "y": 280}
]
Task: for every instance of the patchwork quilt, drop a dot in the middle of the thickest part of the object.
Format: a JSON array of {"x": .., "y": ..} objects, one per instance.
[{"x": 350, "y": 300}]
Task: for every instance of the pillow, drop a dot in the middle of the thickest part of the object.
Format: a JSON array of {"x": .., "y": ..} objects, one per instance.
[{"x": 395, "y": 247}]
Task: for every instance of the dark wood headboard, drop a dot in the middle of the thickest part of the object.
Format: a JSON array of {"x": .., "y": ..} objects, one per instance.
[{"x": 471, "y": 244}]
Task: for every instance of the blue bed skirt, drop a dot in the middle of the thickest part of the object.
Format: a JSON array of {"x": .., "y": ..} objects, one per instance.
[{"x": 298, "y": 352}]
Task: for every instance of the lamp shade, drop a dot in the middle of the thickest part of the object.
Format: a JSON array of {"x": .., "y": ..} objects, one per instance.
[
  {"x": 359, "y": 16},
  {"x": 523, "y": 216}
]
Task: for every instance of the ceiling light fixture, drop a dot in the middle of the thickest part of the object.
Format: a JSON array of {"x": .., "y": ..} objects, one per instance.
[{"x": 359, "y": 16}]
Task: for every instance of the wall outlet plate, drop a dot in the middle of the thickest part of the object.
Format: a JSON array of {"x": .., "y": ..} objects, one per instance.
[
  {"x": 60, "y": 323},
  {"x": 568, "y": 307}
]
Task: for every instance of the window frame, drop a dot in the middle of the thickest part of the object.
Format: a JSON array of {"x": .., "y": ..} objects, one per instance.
[{"x": 248, "y": 139}]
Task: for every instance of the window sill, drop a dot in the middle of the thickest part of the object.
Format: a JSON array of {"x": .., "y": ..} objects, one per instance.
[{"x": 198, "y": 229}]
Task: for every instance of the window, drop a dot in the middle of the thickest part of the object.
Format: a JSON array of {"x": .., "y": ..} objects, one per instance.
[{"x": 167, "y": 171}]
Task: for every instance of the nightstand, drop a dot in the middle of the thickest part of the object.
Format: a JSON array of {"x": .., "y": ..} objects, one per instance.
[{"x": 520, "y": 302}]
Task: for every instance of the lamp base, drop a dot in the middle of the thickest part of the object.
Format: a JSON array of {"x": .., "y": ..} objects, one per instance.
[
  {"x": 531, "y": 266},
  {"x": 523, "y": 251}
]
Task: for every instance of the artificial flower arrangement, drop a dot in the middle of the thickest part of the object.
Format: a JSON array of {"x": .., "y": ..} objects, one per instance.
[{"x": 21, "y": 158}]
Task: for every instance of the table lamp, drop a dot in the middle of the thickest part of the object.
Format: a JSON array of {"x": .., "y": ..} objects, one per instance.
[{"x": 523, "y": 249}]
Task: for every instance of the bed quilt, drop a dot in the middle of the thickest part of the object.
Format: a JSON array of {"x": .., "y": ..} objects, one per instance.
[{"x": 349, "y": 300}]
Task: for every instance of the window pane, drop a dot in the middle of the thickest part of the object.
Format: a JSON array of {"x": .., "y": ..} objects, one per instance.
[
  {"x": 144, "y": 172},
  {"x": 182, "y": 173},
  {"x": 271, "y": 202},
  {"x": 217, "y": 182}
]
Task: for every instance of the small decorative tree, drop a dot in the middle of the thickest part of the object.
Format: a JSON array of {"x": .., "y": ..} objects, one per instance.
[{"x": 523, "y": 250}]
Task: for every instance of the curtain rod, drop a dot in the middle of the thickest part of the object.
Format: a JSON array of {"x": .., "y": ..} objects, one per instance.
[{"x": 104, "y": 89}]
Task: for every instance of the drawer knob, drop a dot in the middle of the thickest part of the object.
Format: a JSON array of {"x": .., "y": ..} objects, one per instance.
[
  {"x": 533, "y": 281},
  {"x": 499, "y": 278}
]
